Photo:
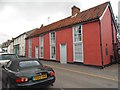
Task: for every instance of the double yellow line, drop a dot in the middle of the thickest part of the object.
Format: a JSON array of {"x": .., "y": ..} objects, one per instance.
[{"x": 85, "y": 73}]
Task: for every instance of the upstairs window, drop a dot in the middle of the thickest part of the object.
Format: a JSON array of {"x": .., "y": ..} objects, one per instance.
[
  {"x": 77, "y": 34},
  {"x": 41, "y": 46},
  {"x": 52, "y": 38},
  {"x": 30, "y": 48},
  {"x": 52, "y": 45},
  {"x": 41, "y": 40}
]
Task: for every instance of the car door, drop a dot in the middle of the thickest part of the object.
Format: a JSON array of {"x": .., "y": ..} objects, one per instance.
[{"x": 7, "y": 73}]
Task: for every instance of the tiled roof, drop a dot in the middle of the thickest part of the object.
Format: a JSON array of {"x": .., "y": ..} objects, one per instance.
[{"x": 84, "y": 16}]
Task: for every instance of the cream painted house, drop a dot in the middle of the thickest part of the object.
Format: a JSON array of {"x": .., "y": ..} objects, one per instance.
[{"x": 19, "y": 44}]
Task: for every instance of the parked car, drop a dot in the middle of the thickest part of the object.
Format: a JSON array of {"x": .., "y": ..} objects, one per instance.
[
  {"x": 28, "y": 73},
  {"x": 5, "y": 58}
]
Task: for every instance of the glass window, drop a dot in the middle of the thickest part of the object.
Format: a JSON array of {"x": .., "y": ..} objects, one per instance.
[
  {"x": 52, "y": 45},
  {"x": 41, "y": 46},
  {"x": 77, "y": 33},
  {"x": 41, "y": 40},
  {"x": 78, "y": 51},
  {"x": 30, "y": 48},
  {"x": 53, "y": 51},
  {"x": 24, "y": 64},
  {"x": 52, "y": 37},
  {"x": 41, "y": 52}
]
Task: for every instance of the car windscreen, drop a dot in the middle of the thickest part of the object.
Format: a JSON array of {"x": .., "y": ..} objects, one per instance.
[
  {"x": 24, "y": 64},
  {"x": 7, "y": 56}
]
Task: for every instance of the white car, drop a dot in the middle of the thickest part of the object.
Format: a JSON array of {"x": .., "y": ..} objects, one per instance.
[{"x": 5, "y": 58}]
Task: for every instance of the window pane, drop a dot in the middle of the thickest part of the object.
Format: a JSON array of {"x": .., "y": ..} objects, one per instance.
[
  {"x": 41, "y": 52},
  {"x": 41, "y": 40},
  {"x": 52, "y": 37},
  {"x": 23, "y": 64},
  {"x": 53, "y": 51},
  {"x": 77, "y": 33},
  {"x": 30, "y": 48},
  {"x": 78, "y": 51}
]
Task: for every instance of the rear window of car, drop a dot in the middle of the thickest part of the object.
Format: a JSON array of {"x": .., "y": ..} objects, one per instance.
[{"x": 24, "y": 64}]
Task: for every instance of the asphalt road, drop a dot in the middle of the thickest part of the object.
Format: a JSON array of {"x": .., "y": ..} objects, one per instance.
[{"x": 79, "y": 76}]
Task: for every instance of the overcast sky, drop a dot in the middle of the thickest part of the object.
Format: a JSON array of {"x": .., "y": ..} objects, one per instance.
[{"x": 19, "y": 16}]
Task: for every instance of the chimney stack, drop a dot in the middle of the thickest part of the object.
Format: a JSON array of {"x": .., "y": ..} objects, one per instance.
[
  {"x": 75, "y": 10},
  {"x": 41, "y": 26}
]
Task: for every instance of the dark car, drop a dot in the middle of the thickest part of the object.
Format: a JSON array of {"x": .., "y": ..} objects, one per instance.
[{"x": 22, "y": 73}]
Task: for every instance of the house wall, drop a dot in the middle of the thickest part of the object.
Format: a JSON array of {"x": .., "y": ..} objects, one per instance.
[
  {"x": 65, "y": 36},
  {"x": 21, "y": 42},
  {"x": 46, "y": 47},
  {"x": 27, "y": 46},
  {"x": 91, "y": 44},
  {"x": 35, "y": 43},
  {"x": 106, "y": 31},
  {"x": 10, "y": 48}
]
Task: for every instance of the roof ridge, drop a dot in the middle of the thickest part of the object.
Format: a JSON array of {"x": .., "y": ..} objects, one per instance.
[
  {"x": 78, "y": 13},
  {"x": 94, "y": 7}
]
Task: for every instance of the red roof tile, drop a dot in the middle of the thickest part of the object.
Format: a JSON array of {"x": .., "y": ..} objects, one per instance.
[{"x": 83, "y": 16}]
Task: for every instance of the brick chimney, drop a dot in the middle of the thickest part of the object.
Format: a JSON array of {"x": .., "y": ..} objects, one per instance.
[{"x": 75, "y": 10}]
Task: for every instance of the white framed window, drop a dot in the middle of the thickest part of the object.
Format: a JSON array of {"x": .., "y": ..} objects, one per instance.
[
  {"x": 77, "y": 33},
  {"x": 41, "y": 46},
  {"x": 52, "y": 38},
  {"x": 53, "y": 45},
  {"x": 53, "y": 52},
  {"x": 78, "y": 51},
  {"x": 30, "y": 48},
  {"x": 77, "y": 43}
]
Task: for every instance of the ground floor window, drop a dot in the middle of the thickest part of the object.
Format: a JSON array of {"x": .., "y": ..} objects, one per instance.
[
  {"x": 41, "y": 52},
  {"x": 30, "y": 48},
  {"x": 78, "y": 51},
  {"x": 53, "y": 52}
]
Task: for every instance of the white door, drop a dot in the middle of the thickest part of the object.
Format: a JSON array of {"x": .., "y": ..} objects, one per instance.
[
  {"x": 36, "y": 52},
  {"x": 63, "y": 53}
]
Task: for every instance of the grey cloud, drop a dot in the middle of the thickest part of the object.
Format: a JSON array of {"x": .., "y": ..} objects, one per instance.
[{"x": 33, "y": 10}]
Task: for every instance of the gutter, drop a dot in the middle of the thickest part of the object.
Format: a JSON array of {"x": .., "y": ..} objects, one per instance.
[{"x": 68, "y": 26}]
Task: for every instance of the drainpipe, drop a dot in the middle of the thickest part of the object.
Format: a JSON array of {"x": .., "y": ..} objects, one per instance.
[
  {"x": 102, "y": 61},
  {"x": 113, "y": 41}
]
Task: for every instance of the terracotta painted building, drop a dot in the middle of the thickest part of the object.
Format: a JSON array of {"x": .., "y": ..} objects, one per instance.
[{"x": 87, "y": 37}]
